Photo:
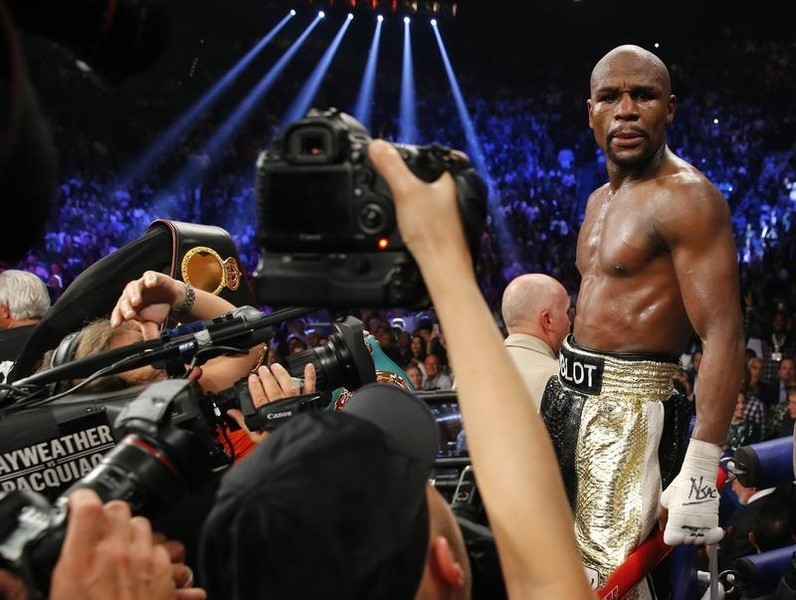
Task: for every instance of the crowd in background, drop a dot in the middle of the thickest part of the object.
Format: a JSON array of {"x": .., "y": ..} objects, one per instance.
[{"x": 733, "y": 122}]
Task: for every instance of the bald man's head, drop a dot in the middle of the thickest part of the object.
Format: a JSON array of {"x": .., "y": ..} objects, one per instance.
[{"x": 528, "y": 297}]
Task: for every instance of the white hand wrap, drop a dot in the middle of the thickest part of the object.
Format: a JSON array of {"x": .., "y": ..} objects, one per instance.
[{"x": 692, "y": 498}]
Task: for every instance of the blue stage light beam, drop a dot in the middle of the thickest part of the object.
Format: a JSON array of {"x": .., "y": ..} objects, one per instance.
[
  {"x": 307, "y": 93},
  {"x": 364, "y": 106},
  {"x": 141, "y": 167},
  {"x": 474, "y": 150},
  {"x": 474, "y": 146},
  {"x": 228, "y": 129},
  {"x": 408, "y": 121}
]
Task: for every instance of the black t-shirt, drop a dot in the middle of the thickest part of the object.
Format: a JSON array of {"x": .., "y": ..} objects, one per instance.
[{"x": 11, "y": 343}]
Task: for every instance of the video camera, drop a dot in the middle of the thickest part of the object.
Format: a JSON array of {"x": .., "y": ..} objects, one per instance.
[
  {"x": 169, "y": 446},
  {"x": 49, "y": 442},
  {"x": 344, "y": 361},
  {"x": 327, "y": 220}
]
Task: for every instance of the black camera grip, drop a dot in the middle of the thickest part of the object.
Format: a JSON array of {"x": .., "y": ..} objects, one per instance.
[{"x": 274, "y": 414}]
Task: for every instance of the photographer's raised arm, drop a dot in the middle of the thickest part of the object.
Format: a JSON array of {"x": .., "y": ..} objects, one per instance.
[
  {"x": 509, "y": 445},
  {"x": 150, "y": 299}
]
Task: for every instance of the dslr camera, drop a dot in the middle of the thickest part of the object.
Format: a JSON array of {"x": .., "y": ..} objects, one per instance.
[
  {"x": 327, "y": 221},
  {"x": 168, "y": 450}
]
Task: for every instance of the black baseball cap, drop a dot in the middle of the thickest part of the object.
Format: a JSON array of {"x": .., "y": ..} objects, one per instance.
[{"x": 331, "y": 505}]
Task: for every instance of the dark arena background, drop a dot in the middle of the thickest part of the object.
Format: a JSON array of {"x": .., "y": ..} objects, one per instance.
[
  {"x": 177, "y": 136},
  {"x": 180, "y": 139}
]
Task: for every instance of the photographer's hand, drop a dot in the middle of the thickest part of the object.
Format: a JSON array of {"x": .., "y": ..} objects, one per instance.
[
  {"x": 181, "y": 573},
  {"x": 148, "y": 300},
  {"x": 426, "y": 213},
  {"x": 269, "y": 385},
  {"x": 153, "y": 296},
  {"x": 109, "y": 554}
]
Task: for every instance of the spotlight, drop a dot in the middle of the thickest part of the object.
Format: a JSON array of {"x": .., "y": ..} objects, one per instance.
[
  {"x": 321, "y": 14},
  {"x": 406, "y": 20},
  {"x": 365, "y": 96},
  {"x": 433, "y": 22},
  {"x": 292, "y": 12},
  {"x": 350, "y": 16},
  {"x": 307, "y": 93}
]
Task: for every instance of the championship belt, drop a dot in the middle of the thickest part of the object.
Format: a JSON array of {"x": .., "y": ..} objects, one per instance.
[{"x": 205, "y": 257}]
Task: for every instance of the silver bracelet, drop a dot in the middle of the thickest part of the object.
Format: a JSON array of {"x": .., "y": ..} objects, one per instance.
[{"x": 187, "y": 304}]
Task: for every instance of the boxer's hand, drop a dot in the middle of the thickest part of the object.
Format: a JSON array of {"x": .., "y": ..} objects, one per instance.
[{"x": 693, "y": 499}]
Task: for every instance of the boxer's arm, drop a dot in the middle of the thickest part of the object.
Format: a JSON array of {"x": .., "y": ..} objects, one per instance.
[
  {"x": 706, "y": 266},
  {"x": 703, "y": 253},
  {"x": 150, "y": 299}
]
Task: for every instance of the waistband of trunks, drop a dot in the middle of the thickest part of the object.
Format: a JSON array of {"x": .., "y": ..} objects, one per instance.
[{"x": 614, "y": 374}]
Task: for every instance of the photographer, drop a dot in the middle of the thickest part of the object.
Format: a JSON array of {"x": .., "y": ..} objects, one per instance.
[
  {"x": 336, "y": 506},
  {"x": 152, "y": 298},
  {"x": 107, "y": 553},
  {"x": 532, "y": 525},
  {"x": 143, "y": 306}
]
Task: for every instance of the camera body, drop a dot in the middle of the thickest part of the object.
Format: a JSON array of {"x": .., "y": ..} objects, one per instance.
[
  {"x": 327, "y": 220},
  {"x": 48, "y": 448},
  {"x": 51, "y": 448}
]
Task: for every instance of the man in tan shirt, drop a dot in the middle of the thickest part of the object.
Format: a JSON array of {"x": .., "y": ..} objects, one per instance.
[{"x": 535, "y": 313}]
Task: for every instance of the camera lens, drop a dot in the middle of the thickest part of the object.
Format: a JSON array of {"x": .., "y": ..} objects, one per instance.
[
  {"x": 149, "y": 474},
  {"x": 343, "y": 362}
]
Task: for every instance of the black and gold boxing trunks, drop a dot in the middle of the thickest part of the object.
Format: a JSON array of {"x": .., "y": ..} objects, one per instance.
[{"x": 620, "y": 431}]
